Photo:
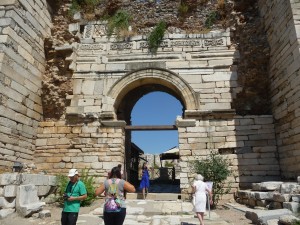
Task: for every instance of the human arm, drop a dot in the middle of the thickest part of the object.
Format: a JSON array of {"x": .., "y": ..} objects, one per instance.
[
  {"x": 78, "y": 198},
  {"x": 129, "y": 187},
  {"x": 100, "y": 190},
  {"x": 210, "y": 195},
  {"x": 194, "y": 189}
]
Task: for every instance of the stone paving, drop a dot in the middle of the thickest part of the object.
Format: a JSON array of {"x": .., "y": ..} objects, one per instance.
[{"x": 152, "y": 212}]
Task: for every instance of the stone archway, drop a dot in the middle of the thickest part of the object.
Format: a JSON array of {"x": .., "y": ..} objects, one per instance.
[
  {"x": 140, "y": 82},
  {"x": 130, "y": 88}
]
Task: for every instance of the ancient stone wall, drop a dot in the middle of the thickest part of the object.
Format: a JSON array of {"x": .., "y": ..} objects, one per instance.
[
  {"x": 203, "y": 61},
  {"x": 23, "y": 28},
  {"x": 247, "y": 142},
  {"x": 281, "y": 22},
  {"x": 92, "y": 146},
  {"x": 21, "y": 192},
  {"x": 110, "y": 75}
]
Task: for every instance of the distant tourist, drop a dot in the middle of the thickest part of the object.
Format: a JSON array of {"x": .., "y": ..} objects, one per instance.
[
  {"x": 74, "y": 193},
  {"x": 145, "y": 183},
  {"x": 199, "y": 189},
  {"x": 114, "y": 206}
]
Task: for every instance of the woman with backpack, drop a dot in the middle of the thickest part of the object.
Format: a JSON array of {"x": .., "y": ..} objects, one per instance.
[{"x": 114, "y": 206}]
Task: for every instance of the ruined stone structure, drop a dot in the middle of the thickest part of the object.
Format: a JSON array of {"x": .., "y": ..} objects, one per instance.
[{"x": 110, "y": 76}]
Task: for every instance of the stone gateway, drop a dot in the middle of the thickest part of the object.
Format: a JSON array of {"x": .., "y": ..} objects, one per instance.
[{"x": 109, "y": 76}]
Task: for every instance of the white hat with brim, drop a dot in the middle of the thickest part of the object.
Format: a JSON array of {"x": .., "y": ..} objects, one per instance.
[{"x": 72, "y": 172}]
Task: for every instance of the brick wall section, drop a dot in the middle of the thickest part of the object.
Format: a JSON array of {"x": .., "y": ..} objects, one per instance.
[
  {"x": 281, "y": 21},
  {"x": 23, "y": 27},
  {"x": 248, "y": 142},
  {"x": 60, "y": 147}
]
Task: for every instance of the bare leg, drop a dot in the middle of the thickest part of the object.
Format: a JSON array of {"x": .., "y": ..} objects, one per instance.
[
  {"x": 200, "y": 217},
  {"x": 143, "y": 190}
]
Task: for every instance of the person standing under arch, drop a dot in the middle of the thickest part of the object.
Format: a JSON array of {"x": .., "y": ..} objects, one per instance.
[{"x": 145, "y": 183}]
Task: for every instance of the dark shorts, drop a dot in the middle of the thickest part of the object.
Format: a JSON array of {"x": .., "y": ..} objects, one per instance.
[
  {"x": 69, "y": 218},
  {"x": 114, "y": 218}
]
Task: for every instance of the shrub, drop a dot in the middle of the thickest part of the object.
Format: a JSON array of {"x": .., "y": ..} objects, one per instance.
[
  {"x": 74, "y": 8},
  {"x": 89, "y": 184},
  {"x": 87, "y": 6},
  {"x": 211, "y": 19},
  {"x": 118, "y": 23},
  {"x": 183, "y": 10},
  {"x": 63, "y": 180},
  {"x": 214, "y": 168},
  {"x": 156, "y": 36}
]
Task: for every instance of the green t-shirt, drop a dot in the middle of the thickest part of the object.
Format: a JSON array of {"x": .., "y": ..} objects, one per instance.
[{"x": 74, "y": 189}]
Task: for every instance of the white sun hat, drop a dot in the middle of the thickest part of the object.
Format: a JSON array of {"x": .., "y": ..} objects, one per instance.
[{"x": 72, "y": 172}]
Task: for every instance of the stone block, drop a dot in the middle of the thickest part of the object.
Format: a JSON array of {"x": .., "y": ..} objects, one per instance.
[
  {"x": 288, "y": 187},
  {"x": 52, "y": 180},
  {"x": 6, "y": 212},
  {"x": 267, "y": 186},
  {"x": 288, "y": 219},
  {"x": 292, "y": 206},
  {"x": 278, "y": 197},
  {"x": 5, "y": 204},
  {"x": 262, "y": 195},
  {"x": 35, "y": 179},
  {"x": 27, "y": 201},
  {"x": 8, "y": 2},
  {"x": 260, "y": 217},
  {"x": 44, "y": 213},
  {"x": 43, "y": 190},
  {"x": 9, "y": 178},
  {"x": 10, "y": 191}
]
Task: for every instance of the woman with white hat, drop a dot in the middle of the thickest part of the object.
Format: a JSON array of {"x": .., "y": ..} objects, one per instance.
[{"x": 199, "y": 189}]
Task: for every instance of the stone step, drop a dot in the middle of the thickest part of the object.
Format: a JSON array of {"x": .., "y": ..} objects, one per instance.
[{"x": 155, "y": 196}]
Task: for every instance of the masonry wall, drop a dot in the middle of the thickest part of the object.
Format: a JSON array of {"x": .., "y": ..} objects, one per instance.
[
  {"x": 87, "y": 146},
  {"x": 203, "y": 64},
  {"x": 282, "y": 24},
  {"x": 247, "y": 142},
  {"x": 204, "y": 61},
  {"x": 23, "y": 28}
]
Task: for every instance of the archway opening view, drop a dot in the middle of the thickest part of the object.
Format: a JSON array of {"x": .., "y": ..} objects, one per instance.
[{"x": 155, "y": 115}]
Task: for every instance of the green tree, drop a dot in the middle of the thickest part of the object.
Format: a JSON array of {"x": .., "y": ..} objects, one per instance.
[{"x": 214, "y": 168}]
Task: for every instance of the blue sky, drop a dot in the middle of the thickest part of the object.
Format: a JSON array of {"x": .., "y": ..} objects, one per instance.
[{"x": 156, "y": 108}]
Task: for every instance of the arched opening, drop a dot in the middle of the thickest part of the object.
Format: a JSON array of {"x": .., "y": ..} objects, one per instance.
[
  {"x": 157, "y": 110},
  {"x": 127, "y": 91}
]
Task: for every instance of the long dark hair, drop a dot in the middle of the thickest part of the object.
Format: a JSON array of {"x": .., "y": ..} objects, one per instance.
[
  {"x": 115, "y": 173},
  {"x": 144, "y": 166}
]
